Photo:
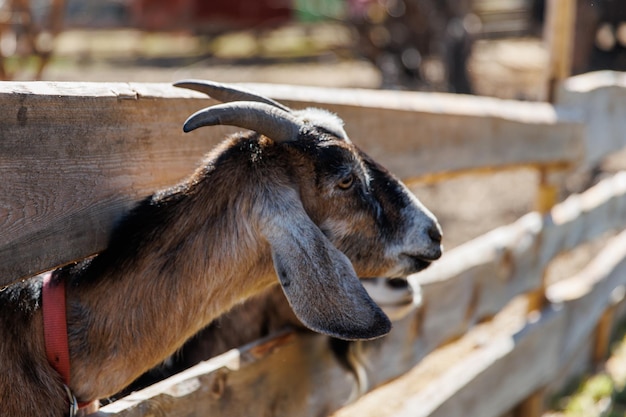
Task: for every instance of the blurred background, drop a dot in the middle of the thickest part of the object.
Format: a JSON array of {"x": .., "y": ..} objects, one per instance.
[{"x": 486, "y": 47}]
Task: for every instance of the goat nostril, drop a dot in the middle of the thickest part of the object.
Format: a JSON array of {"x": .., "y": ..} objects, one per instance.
[{"x": 435, "y": 234}]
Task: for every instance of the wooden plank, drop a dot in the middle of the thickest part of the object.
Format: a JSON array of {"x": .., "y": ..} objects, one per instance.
[
  {"x": 583, "y": 217},
  {"x": 476, "y": 280},
  {"x": 418, "y": 134},
  {"x": 602, "y": 336},
  {"x": 547, "y": 197},
  {"x": 494, "y": 377},
  {"x": 532, "y": 406},
  {"x": 560, "y": 21},
  {"x": 588, "y": 294},
  {"x": 600, "y": 99},
  {"x": 250, "y": 382},
  {"x": 76, "y": 156}
]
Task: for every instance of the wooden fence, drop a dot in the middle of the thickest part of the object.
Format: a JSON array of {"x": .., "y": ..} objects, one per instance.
[{"x": 75, "y": 157}]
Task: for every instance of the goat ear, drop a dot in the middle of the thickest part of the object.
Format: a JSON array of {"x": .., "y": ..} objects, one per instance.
[{"x": 319, "y": 281}]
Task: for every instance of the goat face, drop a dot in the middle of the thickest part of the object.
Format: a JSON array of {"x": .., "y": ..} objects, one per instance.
[
  {"x": 341, "y": 215},
  {"x": 365, "y": 211}
]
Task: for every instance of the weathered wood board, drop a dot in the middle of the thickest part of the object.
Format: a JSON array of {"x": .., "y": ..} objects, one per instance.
[
  {"x": 419, "y": 134},
  {"x": 600, "y": 100},
  {"x": 503, "y": 372},
  {"x": 74, "y": 157},
  {"x": 291, "y": 375}
]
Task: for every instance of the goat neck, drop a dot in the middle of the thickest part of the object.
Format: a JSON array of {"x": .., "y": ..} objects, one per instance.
[{"x": 182, "y": 258}]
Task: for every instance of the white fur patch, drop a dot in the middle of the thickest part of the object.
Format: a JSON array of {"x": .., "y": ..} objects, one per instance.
[{"x": 324, "y": 119}]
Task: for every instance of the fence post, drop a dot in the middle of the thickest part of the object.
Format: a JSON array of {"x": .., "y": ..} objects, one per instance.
[
  {"x": 602, "y": 337},
  {"x": 559, "y": 34},
  {"x": 547, "y": 197},
  {"x": 531, "y": 406}
]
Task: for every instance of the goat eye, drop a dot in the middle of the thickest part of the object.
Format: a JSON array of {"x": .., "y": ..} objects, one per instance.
[{"x": 346, "y": 182}]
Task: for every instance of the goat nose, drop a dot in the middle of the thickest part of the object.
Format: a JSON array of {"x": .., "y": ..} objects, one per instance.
[{"x": 435, "y": 233}]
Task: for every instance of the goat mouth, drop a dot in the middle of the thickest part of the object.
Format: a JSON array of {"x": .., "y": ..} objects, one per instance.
[{"x": 417, "y": 263}]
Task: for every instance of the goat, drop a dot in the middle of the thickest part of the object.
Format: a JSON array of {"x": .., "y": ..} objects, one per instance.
[{"x": 293, "y": 201}]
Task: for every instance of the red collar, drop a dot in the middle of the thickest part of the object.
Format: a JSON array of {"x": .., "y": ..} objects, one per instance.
[
  {"x": 55, "y": 325},
  {"x": 55, "y": 332}
]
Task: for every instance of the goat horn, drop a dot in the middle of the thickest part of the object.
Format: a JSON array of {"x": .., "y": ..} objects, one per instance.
[
  {"x": 276, "y": 124},
  {"x": 226, "y": 93}
]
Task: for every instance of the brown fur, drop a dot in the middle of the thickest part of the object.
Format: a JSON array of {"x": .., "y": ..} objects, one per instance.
[{"x": 186, "y": 255}]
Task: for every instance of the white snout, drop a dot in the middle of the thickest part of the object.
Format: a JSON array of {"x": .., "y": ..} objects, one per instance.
[{"x": 419, "y": 243}]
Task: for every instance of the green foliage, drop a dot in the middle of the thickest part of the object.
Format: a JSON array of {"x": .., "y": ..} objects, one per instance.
[
  {"x": 602, "y": 394},
  {"x": 590, "y": 397}
]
